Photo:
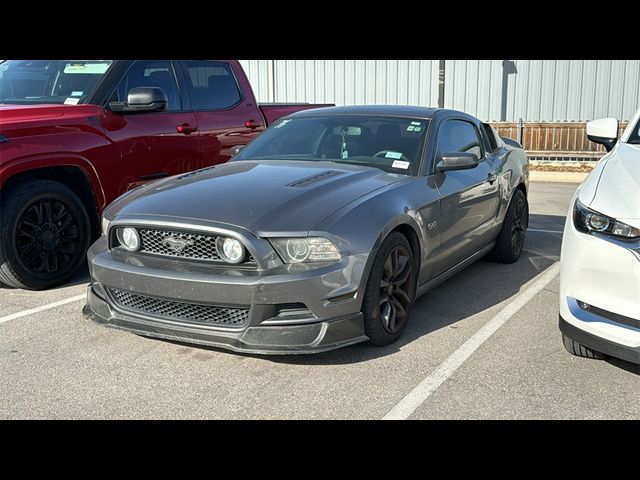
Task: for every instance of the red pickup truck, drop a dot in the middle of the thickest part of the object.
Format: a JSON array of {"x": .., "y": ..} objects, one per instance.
[{"x": 74, "y": 135}]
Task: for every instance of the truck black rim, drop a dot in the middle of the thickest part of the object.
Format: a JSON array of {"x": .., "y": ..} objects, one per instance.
[
  {"x": 396, "y": 289},
  {"x": 48, "y": 238}
]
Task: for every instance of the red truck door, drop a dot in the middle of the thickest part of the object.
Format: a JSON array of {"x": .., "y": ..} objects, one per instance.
[
  {"x": 225, "y": 109},
  {"x": 155, "y": 144}
]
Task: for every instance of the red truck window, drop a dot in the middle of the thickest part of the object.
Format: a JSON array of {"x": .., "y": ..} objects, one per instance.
[{"x": 211, "y": 85}]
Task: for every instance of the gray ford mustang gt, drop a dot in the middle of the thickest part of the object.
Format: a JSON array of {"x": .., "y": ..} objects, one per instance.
[{"x": 321, "y": 233}]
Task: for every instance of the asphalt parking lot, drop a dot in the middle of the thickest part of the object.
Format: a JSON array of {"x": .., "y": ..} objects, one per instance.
[{"x": 483, "y": 345}]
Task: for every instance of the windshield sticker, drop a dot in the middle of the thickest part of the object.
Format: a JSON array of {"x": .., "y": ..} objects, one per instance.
[
  {"x": 282, "y": 123},
  {"x": 400, "y": 164},
  {"x": 411, "y": 128},
  {"x": 393, "y": 155},
  {"x": 76, "y": 94},
  {"x": 71, "y": 101},
  {"x": 416, "y": 123},
  {"x": 417, "y": 129},
  {"x": 86, "y": 68},
  {"x": 345, "y": 154}
]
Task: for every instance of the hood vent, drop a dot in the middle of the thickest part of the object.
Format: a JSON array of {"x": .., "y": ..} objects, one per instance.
[{"x": 318, "y": 177}]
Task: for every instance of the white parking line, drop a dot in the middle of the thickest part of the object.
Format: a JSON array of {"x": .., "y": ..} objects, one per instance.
[
  {"x": 426, "y": 387},
  {"x": 544, "y": 231},
  {"x": 24, "y": 313}
]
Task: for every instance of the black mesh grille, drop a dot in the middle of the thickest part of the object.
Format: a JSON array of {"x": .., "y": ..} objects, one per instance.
[
  {"x": 190, "y": 312},
  {"x": 194, "y": 245}
]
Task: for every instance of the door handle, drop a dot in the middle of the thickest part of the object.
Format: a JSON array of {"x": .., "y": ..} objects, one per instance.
[
  {"x": 252, "y": 124},
  {"x": 492, "y": 177},
  {"x": 186, "y": 128}
]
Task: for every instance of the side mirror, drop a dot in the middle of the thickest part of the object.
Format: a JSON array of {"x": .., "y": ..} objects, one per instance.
[
  {"x": 142, "y": 99},
  {"x": 457, "y": 161},
  {"x": 603, "y": 131}
]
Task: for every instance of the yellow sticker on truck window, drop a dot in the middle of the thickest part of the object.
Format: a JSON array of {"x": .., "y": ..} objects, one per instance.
[{"x": 86, "y": 68}]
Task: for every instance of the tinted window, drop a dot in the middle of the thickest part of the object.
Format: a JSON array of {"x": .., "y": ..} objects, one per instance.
[
  {"x": 635, "y": 134},
  {"x": 150, "y": 74},
  {"x": 389, "y": 143},
  {"x": 491, "y": 137},
  {"x": 212, "y": 85},
  {"x": 458, "y": 136}
]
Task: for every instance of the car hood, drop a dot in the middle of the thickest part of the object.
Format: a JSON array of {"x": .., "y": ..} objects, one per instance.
[
  {"x": 17, "y": 113},
  {"x": 269, "y": 197},
  {"x": 613, "y": 188}
]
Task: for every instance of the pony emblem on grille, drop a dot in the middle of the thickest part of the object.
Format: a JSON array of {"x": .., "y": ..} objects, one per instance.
[{"x": 177, "y": 244}]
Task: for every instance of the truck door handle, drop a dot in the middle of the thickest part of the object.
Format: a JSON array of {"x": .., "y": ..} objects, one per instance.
[
  {"x": 252, "y": 124},
  {"x": 186, "y": 128},
  {"x": 492, "y": 177}
]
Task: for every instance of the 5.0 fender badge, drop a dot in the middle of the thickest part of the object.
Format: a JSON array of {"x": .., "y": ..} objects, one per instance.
[{"x": 432, "y": 225}]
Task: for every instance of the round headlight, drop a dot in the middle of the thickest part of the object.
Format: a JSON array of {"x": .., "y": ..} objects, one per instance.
[
  {"x": 230, "y": 249},
  {"x": 597, "y": 222},
  {"x": 297, "y": 249},
  {"x": 129, "y": 238}
]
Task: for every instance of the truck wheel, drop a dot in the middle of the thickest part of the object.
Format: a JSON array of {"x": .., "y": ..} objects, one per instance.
[
  {"x": 44, "y": 234},
  {"x": 510, "y": 241},
  {"x": 579, "y": 350},
  {"x": 390, "y": 291}
]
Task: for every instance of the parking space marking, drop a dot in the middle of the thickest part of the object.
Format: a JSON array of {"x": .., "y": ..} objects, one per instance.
[
  {"x": 426, "y": 387},
  {"x": 24, "y": 313},
  {"x": 542, "y": 230}
]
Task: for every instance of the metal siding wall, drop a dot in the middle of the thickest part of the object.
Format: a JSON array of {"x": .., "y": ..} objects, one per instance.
[{"x": 538, "y": 90}]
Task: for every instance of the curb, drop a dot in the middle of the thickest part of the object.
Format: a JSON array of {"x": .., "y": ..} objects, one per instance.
[{"x": 560, "y": 177}]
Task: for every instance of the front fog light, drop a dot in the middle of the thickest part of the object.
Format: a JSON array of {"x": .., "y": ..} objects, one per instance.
[
  {"x": 129, "y": 238},
  {"x": 230, "y": 249}
]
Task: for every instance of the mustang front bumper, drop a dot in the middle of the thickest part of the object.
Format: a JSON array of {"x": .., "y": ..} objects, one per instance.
[{"x": 288, "y": 309}]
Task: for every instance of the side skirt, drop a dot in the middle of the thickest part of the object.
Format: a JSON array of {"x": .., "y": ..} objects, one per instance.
[{"x": 434, "y": 282}]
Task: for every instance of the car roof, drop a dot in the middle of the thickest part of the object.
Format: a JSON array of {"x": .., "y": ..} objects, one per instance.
[{"x": 382, "y": 110}]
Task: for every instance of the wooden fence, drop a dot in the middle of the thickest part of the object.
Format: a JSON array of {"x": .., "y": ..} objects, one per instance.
[{"x": 553, "y": 140}]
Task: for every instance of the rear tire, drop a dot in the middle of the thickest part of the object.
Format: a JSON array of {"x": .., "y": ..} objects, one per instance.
[
  {"x": 579, "y": 350},
  {"x": 390, "y": 291},
  {"x": 510, "y": 240},
  {"x": 44, "y": 234}
]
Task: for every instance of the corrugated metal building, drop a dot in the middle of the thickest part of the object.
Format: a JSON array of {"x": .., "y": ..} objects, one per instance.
[{"x": 492, "y": 90}]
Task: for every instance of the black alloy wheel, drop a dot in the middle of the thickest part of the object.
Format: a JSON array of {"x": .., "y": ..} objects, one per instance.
[
  {"x": 44, "y": 234},
  {"x": 396, "y": 289}
]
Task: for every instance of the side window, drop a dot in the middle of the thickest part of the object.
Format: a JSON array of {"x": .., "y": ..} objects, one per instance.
[
  {"x": 212, "y": 85},
  {"x": 150, "y": 74},
  {"x": 491, "y": 137},
  {"x": 458, "y": 136}
]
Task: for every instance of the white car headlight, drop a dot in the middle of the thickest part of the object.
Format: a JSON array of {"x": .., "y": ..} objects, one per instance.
[
  {"x": 590, "y": 221},
  {"x": 310, "y": 249}
]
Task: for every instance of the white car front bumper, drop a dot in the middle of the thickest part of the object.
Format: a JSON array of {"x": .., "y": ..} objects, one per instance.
[{"x": 604, "y": 274}]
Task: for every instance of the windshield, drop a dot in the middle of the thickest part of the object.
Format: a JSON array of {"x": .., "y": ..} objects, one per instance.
[
  {"x": 29, "y": 82},
  {"x": 390, "y": 143}
]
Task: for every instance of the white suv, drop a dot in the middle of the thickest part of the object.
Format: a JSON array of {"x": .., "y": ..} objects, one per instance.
[{"x": 600, "y": 258}]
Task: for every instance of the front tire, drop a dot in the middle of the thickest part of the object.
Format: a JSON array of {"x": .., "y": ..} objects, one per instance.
[
  {"x": 390, "y": 291},
  {"x": 579, "y": 350},
  {"x": 44, "y": 234},
  {"x": 510, "y": 240}
]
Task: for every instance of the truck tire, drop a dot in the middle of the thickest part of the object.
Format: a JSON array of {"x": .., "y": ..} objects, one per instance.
[
  {"x": 44, "y": 234},
  {"x": 510, "y": 240},
  {"x": 579, "y": 350}
]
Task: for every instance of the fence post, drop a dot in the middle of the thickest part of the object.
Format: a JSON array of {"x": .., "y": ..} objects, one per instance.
[{"x": 520, "y": 129}]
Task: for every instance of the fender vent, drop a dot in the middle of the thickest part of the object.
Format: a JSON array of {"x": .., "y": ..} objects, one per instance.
[{"x": 318, "y": 177}]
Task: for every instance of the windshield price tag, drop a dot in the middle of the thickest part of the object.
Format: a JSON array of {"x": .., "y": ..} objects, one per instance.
[
  {"x": 400, "y": 164},
  {"x": 71, "y": 101}
]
